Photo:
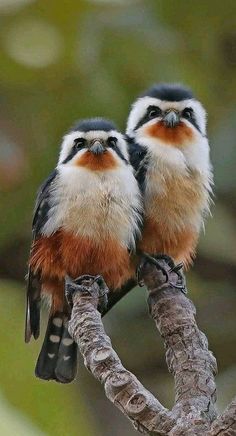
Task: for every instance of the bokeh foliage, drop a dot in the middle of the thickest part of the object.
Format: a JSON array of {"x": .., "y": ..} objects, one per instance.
[{"x": 61, "y": 61}]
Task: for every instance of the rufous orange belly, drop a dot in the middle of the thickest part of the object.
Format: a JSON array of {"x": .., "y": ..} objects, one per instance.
[
  {"x": 159, "y": 239},
  {"x": 66, "y": 253}
]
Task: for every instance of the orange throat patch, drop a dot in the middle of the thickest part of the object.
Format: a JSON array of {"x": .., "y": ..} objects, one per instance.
[
  {"x": 105, "y": 161},
  {"x": 176, "y": 136}
]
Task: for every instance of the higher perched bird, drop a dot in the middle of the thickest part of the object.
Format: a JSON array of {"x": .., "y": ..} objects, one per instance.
[
  {"x": 169, "y": 150},
  {"x": 86, "y": 220}
]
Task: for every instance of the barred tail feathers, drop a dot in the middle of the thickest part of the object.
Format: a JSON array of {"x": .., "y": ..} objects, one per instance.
[{"x": 58, "y": 357}]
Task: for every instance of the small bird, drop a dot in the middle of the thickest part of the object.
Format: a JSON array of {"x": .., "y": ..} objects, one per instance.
[
  {"x": 166, "y": 131},
  {"x": 86, "y": 220}
]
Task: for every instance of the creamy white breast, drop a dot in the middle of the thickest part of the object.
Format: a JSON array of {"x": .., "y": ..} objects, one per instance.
[
  {"x": 176, "y": 200},
  {"x": 95, "y": 204}
]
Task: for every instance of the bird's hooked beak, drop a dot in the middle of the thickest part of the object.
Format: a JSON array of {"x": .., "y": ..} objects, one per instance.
[
  {"x": 97, "y": 147},
  {"x": 171, "y": 118}
]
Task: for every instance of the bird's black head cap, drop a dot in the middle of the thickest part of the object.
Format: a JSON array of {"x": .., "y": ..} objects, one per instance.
[
  {"x": 90, "y": 124},
  {"x": 169, "y": 92}
]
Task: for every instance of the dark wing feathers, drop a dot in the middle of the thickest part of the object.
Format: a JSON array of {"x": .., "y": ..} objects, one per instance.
[
  {"x": 32, "y": 322},
  {"x": 136, "y": 152},
  {"x": 42, "y": 205},
  {"x": 32, "y": 306},
  {"x": 139, "y": 159}
]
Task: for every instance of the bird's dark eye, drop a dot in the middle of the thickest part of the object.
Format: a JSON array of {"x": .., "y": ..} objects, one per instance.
[
  {"x": 79, "y": 143},
  {"x": 188, "y": 113},
  {"x": 112, "y": 141},
  {"x": 153, "y": 112}
]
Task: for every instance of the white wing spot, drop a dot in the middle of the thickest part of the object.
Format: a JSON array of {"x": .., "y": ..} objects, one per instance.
[
  {"x": 54, "y": 338},
  {"x": 51, "y": 355},
  {"x": 67, "y": 341},
  {"x": 66, "y": 357},
  {"x": 57, "y": 322}
]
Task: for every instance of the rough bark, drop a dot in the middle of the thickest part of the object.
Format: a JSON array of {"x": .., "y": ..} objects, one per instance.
[{"x": 193, "y": 366}]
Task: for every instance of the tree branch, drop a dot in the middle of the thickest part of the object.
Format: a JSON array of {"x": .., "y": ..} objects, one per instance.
[
  {"x": 121, "y": 387},
  {"x": 225, "y": 424},
  {"x": 188, "y": 358}
]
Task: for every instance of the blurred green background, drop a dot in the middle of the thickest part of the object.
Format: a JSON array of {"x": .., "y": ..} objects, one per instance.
[{"x": 63, "y": 60}]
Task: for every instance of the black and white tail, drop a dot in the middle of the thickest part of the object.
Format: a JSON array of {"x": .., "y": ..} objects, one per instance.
[{"x": 58, "y": 357}]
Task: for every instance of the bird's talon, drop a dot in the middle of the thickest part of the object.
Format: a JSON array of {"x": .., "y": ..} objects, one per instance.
[
  {"x": 86, "y": 277},
  {"x": 103, "y": 291},
  {"x": 140, "y": 281},
  {"x": 167, "y": 276},
  {"x": 69, "y": 290},
  {"x": 71, "y": 286},
  {"x": 148, "y": 258},
  {"x": 177, "y": 267},
  {"x": 139, "y": 278},
  {"x": 74, "y": 285},
  {"x": 181, "y": 287},
  {"x": 166, "y": 273},
  {"x": 181, "y": 279}
]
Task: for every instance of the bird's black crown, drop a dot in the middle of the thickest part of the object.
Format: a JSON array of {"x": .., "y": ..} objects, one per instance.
[
  {"x": 169, "y": 92},
  {"x": 90, "y": 124}
]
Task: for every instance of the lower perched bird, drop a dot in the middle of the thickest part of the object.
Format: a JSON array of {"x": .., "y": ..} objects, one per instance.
[
  {"x": 169, "y": 150},
  {"x": 86, "y": 220}
]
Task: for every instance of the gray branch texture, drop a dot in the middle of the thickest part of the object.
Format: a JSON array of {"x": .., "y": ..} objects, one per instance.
[{"x": 188, "y": 359}]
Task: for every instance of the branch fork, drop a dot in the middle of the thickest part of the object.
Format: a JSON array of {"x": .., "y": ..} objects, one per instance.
[{"x": 190, "y": 362}]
